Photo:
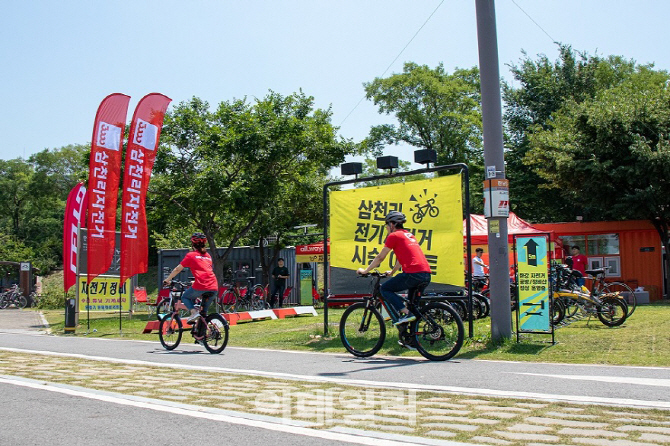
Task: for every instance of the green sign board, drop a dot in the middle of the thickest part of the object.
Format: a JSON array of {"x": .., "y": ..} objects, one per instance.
[{"x": 305, "y": 287}]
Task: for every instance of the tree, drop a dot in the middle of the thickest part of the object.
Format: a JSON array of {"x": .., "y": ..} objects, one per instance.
[
  {"x": 435, "y": 110},
  {"x": 15, "y": 176},
  {"x": 220, "y": 171},
  {"x": 612, "y": 152},
  {"x": 33, "y": 193},
  {"x": 546, "y": 87}
]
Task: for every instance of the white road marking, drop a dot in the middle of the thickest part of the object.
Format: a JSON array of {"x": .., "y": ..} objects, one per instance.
[
  {"x": 580, "y": 399},
  {"x": 607, "y": 379},
  {"x": 163, "y": 407}
]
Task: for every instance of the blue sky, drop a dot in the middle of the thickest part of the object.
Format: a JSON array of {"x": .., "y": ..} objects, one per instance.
[{"x": 59, "y": 59}]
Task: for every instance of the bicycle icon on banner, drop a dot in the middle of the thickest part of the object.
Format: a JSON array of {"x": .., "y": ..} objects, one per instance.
[{"x": 426, "y": 209}]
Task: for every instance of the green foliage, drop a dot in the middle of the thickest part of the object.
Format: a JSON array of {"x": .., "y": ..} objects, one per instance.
[
  {"x": 612, "y": 151},
  {"x": 33, "y": 194},
  {"x": 547, "y": 88},
  {"x": 245, "y": 170},
  {"x": 435, "y": 110}
]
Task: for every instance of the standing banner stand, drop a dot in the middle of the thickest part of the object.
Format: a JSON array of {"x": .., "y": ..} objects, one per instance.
[{"x": 535, "y": 296}]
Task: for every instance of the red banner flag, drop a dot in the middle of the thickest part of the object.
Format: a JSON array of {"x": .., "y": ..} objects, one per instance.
[
  {"x": 145, "y": 131},
  {"x": 75, "y": 211},
  {"x": 103, "y": 181}
]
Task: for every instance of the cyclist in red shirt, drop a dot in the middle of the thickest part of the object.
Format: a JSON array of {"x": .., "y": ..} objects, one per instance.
[
  {"x": 409, "y": 256},
  {"x": 200, "y": 263}
]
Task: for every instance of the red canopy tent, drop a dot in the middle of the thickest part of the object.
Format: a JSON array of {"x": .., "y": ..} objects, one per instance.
[{"x": 515, "y": 226}]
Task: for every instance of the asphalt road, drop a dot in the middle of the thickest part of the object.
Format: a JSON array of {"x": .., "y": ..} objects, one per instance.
[
  {"x": 638, "y": 386},
  {"x": 35, "y": 416}
]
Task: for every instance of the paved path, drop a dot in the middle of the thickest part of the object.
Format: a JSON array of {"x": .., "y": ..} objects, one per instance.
[
  {"x": 418, "y": 400},
  {"x": 14, "y": 320}
]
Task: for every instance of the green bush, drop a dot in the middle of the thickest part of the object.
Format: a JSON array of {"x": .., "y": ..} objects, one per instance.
[{"x": 52, "y": 299}]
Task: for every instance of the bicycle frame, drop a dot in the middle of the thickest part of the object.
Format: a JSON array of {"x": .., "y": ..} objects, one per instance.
[{"x": 176, "y": 305}]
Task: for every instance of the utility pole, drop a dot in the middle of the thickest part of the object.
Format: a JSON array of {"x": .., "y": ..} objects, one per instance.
[{"x": 501, "y": 315}]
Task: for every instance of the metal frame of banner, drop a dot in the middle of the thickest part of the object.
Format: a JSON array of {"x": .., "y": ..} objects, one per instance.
[
  {"x": 550, "y": 289},
  {"x": 466, "y": 179}
]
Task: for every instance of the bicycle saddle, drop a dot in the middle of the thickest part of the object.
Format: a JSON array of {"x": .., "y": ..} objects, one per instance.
[
  {"x": 415, "y": 293},
  {"x": 595, "y": 272}
]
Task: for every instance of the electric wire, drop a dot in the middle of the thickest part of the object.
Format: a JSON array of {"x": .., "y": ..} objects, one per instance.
[{"x": 396, "y": 58}]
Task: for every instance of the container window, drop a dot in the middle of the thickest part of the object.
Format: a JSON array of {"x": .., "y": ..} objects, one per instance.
[
  {"x": 614, "y": 264},
  {"x": 602, "y": 244}
]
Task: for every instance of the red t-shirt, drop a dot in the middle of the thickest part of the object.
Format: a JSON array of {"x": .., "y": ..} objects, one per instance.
[
  {"x": 202, "y": 269},
  {"x": 407, "y": 251},
  {"x": 579, "y": 263}
]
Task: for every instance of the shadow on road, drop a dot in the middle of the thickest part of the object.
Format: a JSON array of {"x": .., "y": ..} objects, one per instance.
[{"x": 369, "y": 364}]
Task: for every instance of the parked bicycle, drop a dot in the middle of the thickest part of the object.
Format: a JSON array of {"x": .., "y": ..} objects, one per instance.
[
  {"x": 437, "y": 333},
  {"x": 250, "y": 298},
  {"x": 602, "y": 286},
  {"x": 209, "y": 330},
  {"x": 13, "y": 296},
  {"x": 610, "y": 308}
]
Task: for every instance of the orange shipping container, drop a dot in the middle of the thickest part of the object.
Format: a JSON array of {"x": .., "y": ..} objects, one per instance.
[{"x": 639, "y": 259}]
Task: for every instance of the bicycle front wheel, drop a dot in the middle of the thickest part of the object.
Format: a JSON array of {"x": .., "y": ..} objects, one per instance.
[
  {"x": 557, "y": 312},
  {"x": 626, "y": 291},
  {"x": 170, "y": 331},
  {"x": 439, "y": 333},
  {"x": 613, "y": 312},
  {"x": 21, "y": 302},
  {"x": 162, "y": 309},
  {"x": 362, "y": 330},
  {"x": 216, "y": 337}
]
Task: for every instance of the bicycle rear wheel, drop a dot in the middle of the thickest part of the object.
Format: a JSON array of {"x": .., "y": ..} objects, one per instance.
[
  {"x": 439, "y": 333},
  {"x": 216, "y": 337},
  {"x": 626, "y": 291},
  {"x": 613, "y": 311},
  {"x": 362, "y": 330},
  {"x": 170, "y": 331},
  {"x": 460, "y": 307}
]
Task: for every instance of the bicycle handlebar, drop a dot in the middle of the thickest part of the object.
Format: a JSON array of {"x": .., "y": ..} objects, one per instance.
[
  {"x": 374, "y": 274},
  {"x": 178, "y": 283}
]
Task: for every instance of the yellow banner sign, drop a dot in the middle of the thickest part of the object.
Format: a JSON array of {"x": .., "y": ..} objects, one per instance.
[
  {"x": 434, "y": 213},
  {"x": 104, "y": 294}
]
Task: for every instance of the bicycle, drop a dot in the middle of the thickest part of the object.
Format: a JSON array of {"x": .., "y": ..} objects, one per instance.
[
  {"x": 209, "y": 330},
  {"x": 601, "y": 286},
  {"x": 250, "y": 298},
  {"x": 437, "y": 333},
  {"x": 610, "y": 308},
  {"x": 13, "y": 296}
]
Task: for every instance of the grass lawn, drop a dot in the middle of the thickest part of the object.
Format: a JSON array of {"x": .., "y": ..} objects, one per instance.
[{"x": 644, "y": 340}]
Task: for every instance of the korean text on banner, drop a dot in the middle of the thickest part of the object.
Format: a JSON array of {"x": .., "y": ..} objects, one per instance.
[
  {"x": 103, "y": 181},
  {"x": 145, "y": 131},
  {"x": 434, "y": 215},
  {"x": 75, "y": 209},
  {"x": 104, "y": 294},
  {"x": 533, "y": 266}
]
